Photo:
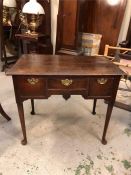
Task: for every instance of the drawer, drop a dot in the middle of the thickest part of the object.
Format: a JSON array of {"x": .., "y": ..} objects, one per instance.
[
  {"x": 30, "y": 85},
  {"x": 67, "y": 83},
  {"x": 100, "y": 86}
]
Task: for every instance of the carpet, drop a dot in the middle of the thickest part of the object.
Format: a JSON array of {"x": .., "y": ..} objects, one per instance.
[{"x": 64, "y": 138}]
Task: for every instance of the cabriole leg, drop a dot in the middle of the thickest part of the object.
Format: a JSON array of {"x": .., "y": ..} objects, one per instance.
[
  {"x": 108, "y": 116},
  {"x": 33, "y": 108},
  {"x": 22, "y": 121},
  {"x": 94, "y": 107}
]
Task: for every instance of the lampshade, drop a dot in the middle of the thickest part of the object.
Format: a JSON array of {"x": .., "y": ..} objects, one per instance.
[
  {"x": 9, "y": 3},
  {"x": 33, "y": 7},
  {"x": 113, "y": 2}
]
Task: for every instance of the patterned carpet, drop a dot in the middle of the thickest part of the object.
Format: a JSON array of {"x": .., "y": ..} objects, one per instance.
[{"x": 64, "y": 137}]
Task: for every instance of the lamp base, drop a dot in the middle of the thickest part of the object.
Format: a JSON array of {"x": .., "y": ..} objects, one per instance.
[
  {"x": 34, "y": 33},
  {"x": 31, "y": 33},
  {"x": 6, "y": 16}
]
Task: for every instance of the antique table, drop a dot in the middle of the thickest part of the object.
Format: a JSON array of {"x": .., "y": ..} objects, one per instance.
[{"x": 40, "y": 76}]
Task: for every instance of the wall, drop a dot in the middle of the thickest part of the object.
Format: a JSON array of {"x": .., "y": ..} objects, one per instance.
[
  {"x": 125, "y": 23},
  {"x": 54, "y": 12}
]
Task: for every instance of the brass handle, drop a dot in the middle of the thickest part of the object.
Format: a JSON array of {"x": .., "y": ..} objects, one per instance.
[
  {"x": 32, "y": 81},
  {"x": 102, "y": 80},
  {"x": 66, "y": 82}
]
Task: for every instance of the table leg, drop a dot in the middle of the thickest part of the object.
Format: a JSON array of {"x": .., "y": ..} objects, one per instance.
[
  {"x": 94, "y": 107},
  {"x": 33, "y": 108},
  {"x": 4, "y": 114},
  {"x": 108, "y": 115},
  {"x": 22, "y": 121}
]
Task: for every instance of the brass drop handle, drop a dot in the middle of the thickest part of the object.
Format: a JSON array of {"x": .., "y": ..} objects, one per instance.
[
  {"x": 66, "y": 82},
  {"x": 102, "y": 81},
  {"x": 32, "y": 81}
]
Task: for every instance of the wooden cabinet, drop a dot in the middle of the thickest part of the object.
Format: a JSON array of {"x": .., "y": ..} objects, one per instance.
[
  {"x": 88, "y": 16},
  {"x": 68, "y": 26},
  {"x": 104, "y": 19}
]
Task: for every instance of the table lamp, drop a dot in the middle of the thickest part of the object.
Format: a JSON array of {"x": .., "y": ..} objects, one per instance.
[
  {"x": 34, "y": 9},
  {"x": 7, "y": 4},
  {"x": 113, "y": 2}
]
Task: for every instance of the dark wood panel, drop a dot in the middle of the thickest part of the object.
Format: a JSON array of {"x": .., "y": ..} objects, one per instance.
[
  {"x": 101, "y": 18},
  {"x": 87, "y": 19},
  {"x": 27, "y": 85},
  {"x": 69, "y": 22},
  {"x": 67, "y": 30},
  {"x": 56, "y": 83},
  {"x": 95, "y": 87},
  {"x": 92, "y": 16},
  {"x": 110, "y": 25}
]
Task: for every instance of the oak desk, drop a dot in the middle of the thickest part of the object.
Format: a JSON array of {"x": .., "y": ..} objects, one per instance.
[{"x": 40, "y": 76}]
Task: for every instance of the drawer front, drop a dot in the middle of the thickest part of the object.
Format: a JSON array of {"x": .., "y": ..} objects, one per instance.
[
  {"x": 30, "y": 86},
  {"x": 100, "y": 86},
  {"x": 67, "y": 84}
]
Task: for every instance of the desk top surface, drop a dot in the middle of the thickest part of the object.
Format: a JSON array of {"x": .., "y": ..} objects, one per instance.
[{"x": 63, "y": 65}]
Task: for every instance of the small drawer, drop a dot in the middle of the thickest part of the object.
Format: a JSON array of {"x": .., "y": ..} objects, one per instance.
[
  {"x": 67, "y": 84},
  {"x": 30, "y": 85},
  {"x": 100, "y": 86}
]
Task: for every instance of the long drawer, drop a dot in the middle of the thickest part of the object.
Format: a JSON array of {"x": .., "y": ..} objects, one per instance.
[{"x": 66, "y": 83}]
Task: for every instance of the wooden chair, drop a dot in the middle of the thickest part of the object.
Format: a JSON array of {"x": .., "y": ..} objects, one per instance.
[
  {"x": 2, "y": 112},
  {"x": 122, "y": 58}
]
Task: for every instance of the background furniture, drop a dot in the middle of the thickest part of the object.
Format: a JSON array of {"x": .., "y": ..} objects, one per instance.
[
  {"x": 32, "y": 43},
  {"x": 123, "y": 60},
  {"x": 127, "y": 42},
  {"x": 8, "y": 47},
  {"x": 44, "y": 46},
  {"x": 95, "y": 16},
  {"x": 40, "y": 76},
  {"x": 2, "y": 112},
  {"x": 68, "y": 25}
]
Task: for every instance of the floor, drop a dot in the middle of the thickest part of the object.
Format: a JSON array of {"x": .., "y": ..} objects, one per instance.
[{"x": 64, "y": 138}]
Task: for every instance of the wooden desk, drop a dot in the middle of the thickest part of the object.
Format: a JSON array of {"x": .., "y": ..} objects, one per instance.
[{"x": 40, "y": 76}]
